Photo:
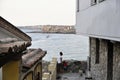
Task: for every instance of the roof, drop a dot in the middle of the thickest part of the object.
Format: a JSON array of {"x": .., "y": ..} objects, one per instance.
[
  {"x": 32, "y": 56},
  {"x": 12, "y": 29},
  {"x": 14, "y": 47},
  {"x": 12, "y": 51},
  {"x": 13, "y": 42}
]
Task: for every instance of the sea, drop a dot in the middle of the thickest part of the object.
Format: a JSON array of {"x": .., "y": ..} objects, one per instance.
[{"x": 73, "y": 46}]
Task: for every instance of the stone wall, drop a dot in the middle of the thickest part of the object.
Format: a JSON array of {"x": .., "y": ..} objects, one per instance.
[
  {"x": 51, "y": 73},
  {"x": 99, "y": 70},
  {"x": 116, "y": 60}
]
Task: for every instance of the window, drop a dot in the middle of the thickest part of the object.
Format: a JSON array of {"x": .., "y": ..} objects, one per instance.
[
  {"x": 93, "y": 2},
  {"x": 28, "y": 76},
  {"x": 97, "y": 50},
  {"x": 90, "y": 48},
  {"x": 101, "y": 1},
  {"x": 110, "y": 60},
  {"x": 77, "y": 5}
]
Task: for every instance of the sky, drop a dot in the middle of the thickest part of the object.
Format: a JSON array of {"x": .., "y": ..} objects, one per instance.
[{"x": 38, "y": 12}]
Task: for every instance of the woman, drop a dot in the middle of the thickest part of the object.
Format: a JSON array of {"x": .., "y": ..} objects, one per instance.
[{"x": 60, "y": 65}]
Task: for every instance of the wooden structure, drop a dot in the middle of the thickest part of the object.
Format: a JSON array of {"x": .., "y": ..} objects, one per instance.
[
  {"x": 16, "y": 62},
  {"x": 32, "y": 64}
]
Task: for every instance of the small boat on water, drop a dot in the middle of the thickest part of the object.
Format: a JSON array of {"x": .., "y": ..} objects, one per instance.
[{"x": 47, "y": 36}]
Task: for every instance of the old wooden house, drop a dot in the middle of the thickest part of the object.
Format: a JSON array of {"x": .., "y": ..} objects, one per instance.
[
  {"x": 100, "y": 20},
  {"x": 16, "y": 61}
]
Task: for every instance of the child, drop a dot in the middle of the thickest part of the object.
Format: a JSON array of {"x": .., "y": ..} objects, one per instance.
[{"x": 65, "y": 65}]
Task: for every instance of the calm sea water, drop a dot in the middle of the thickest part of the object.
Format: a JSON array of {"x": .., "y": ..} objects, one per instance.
[{"x": 73, "y": 46}]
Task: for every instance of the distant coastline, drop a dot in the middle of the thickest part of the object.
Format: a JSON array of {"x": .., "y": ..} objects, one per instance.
[{"x": 63, "y": 29}]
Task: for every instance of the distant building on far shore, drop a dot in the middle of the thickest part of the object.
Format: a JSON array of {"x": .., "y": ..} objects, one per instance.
[{"x": 66, "y": 29}]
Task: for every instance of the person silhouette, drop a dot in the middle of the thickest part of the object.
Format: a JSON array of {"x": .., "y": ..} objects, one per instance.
[
  {"x": 60, "y": 66},
  {"x": 61, "y": 54}
]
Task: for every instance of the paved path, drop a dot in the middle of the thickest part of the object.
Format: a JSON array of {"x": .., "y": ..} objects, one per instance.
[{"x": 71, "y": 76}]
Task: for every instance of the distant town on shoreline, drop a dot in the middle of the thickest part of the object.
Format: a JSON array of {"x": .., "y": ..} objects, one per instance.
[{"x": 64, "y": 29}]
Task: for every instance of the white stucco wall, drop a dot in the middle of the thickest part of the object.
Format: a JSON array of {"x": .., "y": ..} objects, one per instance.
[
  {"x": 84, "y": 4},
  {"x": 101, "y": 20}
]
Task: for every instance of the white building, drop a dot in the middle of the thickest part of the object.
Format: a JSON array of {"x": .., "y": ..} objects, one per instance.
[{"x": 100, "y": 20}]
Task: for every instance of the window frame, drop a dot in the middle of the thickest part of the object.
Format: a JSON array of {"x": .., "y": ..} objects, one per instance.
[
  {"x": 101, "y": 1},
  {"x": 97, "y": 59},
  {"x": 78, "y": 3},
  {"x": 93, "y": 2}
]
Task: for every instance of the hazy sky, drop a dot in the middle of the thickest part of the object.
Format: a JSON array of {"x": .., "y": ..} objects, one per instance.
[{"x": 35, "y": 12}]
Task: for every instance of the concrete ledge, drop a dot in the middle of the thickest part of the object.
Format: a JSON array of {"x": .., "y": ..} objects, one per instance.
[{"x": 51, "y": 74}]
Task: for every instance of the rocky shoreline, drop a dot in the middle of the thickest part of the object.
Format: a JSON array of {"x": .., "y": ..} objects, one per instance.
[{"x": 73, "y": 66}]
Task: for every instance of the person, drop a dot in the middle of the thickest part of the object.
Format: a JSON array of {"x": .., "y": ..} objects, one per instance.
[
  {"x": 61, "y": 54},
  {"x": 60, "y": 65},
  {"x": 65, "y": 65}
]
